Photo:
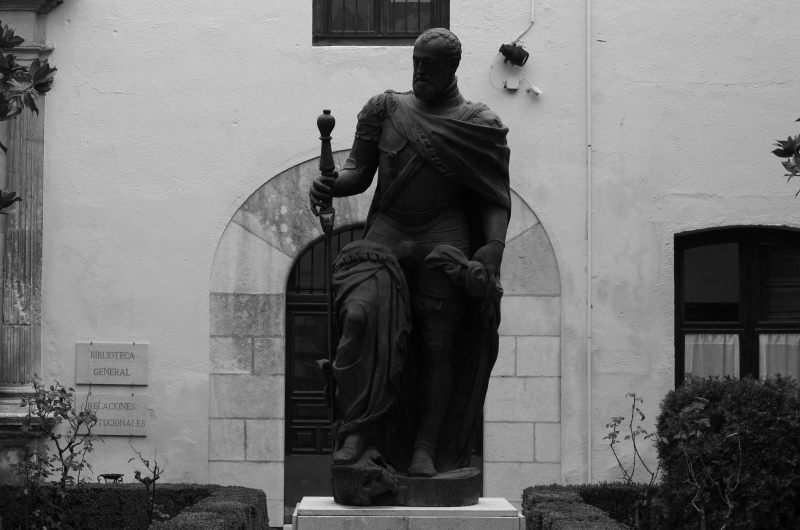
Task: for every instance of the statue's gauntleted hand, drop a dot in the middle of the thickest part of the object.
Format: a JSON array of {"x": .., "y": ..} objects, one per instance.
[
  {"x": 320, "y": 194},
  {"x": 491, "y": 257}
]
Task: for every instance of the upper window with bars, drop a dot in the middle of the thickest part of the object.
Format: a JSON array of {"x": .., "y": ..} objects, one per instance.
[{"x": 383, "y": 22}]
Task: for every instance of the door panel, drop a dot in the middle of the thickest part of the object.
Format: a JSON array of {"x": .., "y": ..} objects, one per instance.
[{"x": 308, "y": 437}]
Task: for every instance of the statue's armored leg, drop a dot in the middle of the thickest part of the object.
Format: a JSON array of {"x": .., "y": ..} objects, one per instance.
[
  {"x": 439, "y": 327},
  {"x": 353, "y": 447}
]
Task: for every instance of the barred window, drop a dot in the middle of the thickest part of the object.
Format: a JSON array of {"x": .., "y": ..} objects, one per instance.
[{"x": 385, "y": 22}]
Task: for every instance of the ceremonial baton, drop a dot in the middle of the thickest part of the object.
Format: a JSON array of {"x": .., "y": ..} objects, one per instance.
[{"x": 327, "y": 216}]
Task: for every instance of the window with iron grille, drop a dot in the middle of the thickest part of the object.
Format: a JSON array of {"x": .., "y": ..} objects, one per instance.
[{"x": 384, "y": 22}]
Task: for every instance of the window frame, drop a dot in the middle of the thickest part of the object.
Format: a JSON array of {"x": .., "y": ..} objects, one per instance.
[
  {"x": 750, "y": 323},
  {"x": 322, "y": 34}
]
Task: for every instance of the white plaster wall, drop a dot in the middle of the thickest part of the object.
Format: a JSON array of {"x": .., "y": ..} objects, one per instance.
[
  {"x": 166, "y": 116},
  {"x": 688, "y": 98}
]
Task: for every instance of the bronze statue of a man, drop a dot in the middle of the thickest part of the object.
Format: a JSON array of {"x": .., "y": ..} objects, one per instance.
[{"x": 417, "y": 299}]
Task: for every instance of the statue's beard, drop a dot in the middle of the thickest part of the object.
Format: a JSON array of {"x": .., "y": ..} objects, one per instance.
[{"x": 427, "y": 89}]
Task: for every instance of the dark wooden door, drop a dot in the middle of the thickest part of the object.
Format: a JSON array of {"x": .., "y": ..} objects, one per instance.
[{"x": 308, "y": 432}]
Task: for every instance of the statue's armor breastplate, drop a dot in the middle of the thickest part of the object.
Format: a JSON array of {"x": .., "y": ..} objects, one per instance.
[{"x": 426, "y": 196}]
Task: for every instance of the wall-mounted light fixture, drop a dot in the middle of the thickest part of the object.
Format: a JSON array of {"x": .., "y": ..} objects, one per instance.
[
  {"x": 517, "y": 56},
  {"x": 514, "y": 53}
]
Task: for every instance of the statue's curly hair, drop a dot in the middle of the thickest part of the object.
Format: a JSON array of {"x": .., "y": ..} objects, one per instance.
[{"x": 452, "y": 44}]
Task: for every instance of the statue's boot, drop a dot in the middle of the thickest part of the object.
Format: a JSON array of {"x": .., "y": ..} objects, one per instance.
[
  {"x": 352, "y": 449},
  {"x": 421, "y": 464}
]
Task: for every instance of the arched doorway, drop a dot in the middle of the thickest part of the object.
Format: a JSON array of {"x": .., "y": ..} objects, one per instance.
[{"x": 247, "y": 350}]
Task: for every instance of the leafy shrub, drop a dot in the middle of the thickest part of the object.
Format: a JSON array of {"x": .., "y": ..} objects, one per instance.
[
  {"x": 790, "y": 150},
  {"x": 49, "y": 409},
  {"x": 156, "y": 471},
  {"x": 19, "y": 87},
  {"x": 560, "y": 508},
  {"x": 613, "y": 439},
  {"x": 730, "y": 454}
]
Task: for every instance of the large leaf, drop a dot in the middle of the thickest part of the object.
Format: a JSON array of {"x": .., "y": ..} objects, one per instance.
[
  {"x": 30, "y": 103},
  {"x": 8, "y": 39},
  {"x": 782, "y": 153},
  {"x": 32, "y": 70},
  {"x": 9, "y": 108},
  {"x": 788, "y": 148},
  {"x": 7, "y": 199},
  {"x": 42, "y": 73}
]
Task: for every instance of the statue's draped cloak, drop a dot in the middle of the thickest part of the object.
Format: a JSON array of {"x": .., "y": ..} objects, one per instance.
[
  {"x": 378, "y": 375},
  {"x": 372, "y": 304}
]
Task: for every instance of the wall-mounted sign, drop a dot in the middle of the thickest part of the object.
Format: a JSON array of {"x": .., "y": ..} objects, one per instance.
[
  {"x": 107, "y": 363},
  {"x": 117, "y": 414}
]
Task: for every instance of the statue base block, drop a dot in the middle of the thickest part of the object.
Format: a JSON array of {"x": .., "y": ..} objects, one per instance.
[
  {"x": 367, "y": 484},
  {"x": 322, "y": 513},
  {"x": 460, "y": 487}
]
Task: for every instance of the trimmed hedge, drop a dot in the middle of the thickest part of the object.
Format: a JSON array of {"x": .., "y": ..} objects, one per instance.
[
  {"x": 766, "y": 416},
  {"x": 635, "y": 505},
  {"x": 560, "y": 508},
  {"x": 230, "y": 508},
  {"x": 123, "y": 506}
]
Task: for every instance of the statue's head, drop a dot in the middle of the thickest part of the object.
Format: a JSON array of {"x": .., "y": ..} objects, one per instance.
[{"x": 437, "y": 53}]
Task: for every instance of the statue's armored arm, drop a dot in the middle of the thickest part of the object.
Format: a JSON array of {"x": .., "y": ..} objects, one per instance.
[
  {"x": 495, "y": 223},
  {"x": 354, "y": 178},
  {"x": 494, "y": 217},
  {"x": 359, "y": 169}
]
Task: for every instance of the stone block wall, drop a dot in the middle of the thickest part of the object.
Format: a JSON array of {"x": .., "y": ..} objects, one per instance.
[
  {"x": 522, "y": 415},
  {"x": 247, "y": 351}
]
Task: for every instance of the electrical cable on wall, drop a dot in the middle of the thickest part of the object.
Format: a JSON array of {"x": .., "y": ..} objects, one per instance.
[
  {"x": 533, "y": 18},
  {"x": 491, "y": 81},
  {"x": 523, "y": 33}
]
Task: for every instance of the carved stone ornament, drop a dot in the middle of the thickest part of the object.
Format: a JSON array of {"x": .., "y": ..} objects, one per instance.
[{"x": 40, "y": 6}]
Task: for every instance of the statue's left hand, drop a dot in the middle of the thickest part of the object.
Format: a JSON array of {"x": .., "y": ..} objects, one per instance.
[{"x": 491, "y": 257}]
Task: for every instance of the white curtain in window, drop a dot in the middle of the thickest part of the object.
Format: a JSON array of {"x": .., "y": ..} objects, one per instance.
[
  {"x": 708, "y": 354},
  {"x": 779, "y": 353}
]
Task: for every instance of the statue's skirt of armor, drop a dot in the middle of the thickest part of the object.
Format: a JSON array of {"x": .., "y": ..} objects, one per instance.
[{"x": 448, "y": 228}]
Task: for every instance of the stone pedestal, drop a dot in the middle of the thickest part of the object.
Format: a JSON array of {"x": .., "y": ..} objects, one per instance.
[{"x": 322, "y": 513}]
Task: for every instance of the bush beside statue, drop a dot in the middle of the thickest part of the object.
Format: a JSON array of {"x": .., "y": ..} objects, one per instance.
[{"x": 729, "y": 460}]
